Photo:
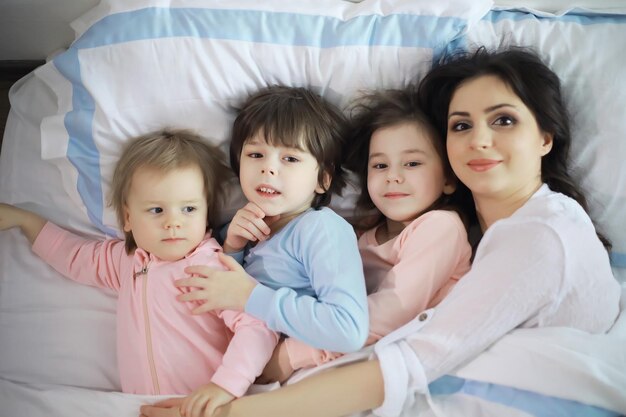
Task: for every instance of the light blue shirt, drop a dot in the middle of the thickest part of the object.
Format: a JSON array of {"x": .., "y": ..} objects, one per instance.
[{"x": 312, "y": 280}]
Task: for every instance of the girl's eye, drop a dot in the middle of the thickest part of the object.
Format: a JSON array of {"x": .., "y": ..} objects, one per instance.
[
  {"x": 189, "y": 209},
  {"x": 413, "y": 164},
  {"x": 291, "y": 159},
  {"x": 156, "y": 210},
  {"x": 504, "y": 121},
  {"x": 459, "y": 126}
]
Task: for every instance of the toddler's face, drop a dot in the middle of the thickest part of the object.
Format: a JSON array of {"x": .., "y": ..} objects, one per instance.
[
  {"x": 167, "y": 212},
  {"x": 280, "y": 180}
]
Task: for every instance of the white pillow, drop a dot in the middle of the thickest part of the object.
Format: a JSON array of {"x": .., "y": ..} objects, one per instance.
[{"x": 138, "y": 66}]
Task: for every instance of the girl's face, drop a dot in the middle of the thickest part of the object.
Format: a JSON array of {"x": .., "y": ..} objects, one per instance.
[
  {"x": 167, "y": 212},
  {"x": 494, "y": 143},
  {"x": 278, "y": 179},
  {"x": 405, "y": 174}
]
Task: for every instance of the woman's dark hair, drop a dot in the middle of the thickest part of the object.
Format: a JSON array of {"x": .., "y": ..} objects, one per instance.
[
  {"x": 533, "y": 82},
  {"x": 295, "y": 117},
  {"x": 380, "y": 109}
]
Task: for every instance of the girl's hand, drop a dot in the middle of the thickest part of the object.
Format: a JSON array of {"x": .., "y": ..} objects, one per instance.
[
  {"x": 204, "y": 401},
  {"x": 30, "y": 223},
  {"x": 248, "y": 225},
  {"x": 278, "y": 368},
  {"x": 220, "y": 290}
]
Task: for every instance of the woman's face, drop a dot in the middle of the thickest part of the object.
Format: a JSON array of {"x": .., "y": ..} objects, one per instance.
[{"x": 494, "y": 143}]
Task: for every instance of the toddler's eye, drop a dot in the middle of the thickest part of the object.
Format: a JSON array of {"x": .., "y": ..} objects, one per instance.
[
  {"x": 413, "y": 164},
  {"x": 255, "y": 155},
  {"x": 379, "y": 166},
  {"x": 291, "y": 159},
  {"x": 155, "y": 210},
  {"x": 189, "y": 209}
]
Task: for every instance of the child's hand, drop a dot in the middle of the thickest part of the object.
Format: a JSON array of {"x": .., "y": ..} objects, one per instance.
[
  {"x": 248, "y": 225},
  {"x": 278, "y": 368},
  {"x": 204, "y": 401},
  {"x": 220, "y": 290},
  {"x": 30, "y": 223}
]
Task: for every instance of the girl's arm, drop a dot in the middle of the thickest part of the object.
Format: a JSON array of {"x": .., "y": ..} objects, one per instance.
[{"x": 30, "y": 223}]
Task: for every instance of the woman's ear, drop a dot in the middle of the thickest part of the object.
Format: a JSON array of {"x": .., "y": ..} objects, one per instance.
[
  {"x": 546, "y": 146},
  {"x": 327, "y": 179}
]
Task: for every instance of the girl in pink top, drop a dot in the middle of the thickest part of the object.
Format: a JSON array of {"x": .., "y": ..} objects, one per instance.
[
  {"x": 416, "y": 248},
  {"x": 165, "y": 187}
]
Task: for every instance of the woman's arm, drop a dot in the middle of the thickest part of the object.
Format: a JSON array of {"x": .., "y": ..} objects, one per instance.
[{"x": 333, "y": 393}]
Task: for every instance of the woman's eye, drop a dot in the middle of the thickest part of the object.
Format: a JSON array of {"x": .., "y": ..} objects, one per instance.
[
  {"x": 459, "y": 126},
  {"x": 504, "y": 121},
  {"x": 189, "y": 209},
  {"x": 155, "y": 210}
]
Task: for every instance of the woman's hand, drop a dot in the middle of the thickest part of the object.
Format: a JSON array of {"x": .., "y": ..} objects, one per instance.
[{"x": 220, "y": 290}]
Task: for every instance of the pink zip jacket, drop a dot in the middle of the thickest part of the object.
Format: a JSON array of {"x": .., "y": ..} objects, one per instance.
[{"x": 161, "y": 347}]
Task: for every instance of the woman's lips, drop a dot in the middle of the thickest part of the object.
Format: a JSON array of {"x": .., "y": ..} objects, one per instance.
[{"x": 480, "y": 165}]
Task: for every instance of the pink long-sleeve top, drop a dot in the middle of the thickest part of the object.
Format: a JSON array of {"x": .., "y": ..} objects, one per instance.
[
  {"x": 406, "y": 275},
  {"x": 161, "y": 347}
]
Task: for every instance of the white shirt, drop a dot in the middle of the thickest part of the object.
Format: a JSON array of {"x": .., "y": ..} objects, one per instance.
[{"x": 543, "y": 266}]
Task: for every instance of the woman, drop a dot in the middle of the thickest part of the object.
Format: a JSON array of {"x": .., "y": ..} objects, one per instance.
[{"x": 539, "y": 263}]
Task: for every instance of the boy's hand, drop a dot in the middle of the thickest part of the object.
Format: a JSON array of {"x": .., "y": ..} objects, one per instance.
[
  {"x": 248, "y": 225},
  {"x": 220, "y": 290},
  {"x": 204, "y": 401},
  {"x": 278, "y": 368},
  {"x": 30, "y": 223}
]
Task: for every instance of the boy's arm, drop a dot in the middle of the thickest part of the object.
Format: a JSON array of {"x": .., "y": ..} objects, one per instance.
[
  {"x": 335, "y": 317},
  {"x": 30, "y": 223}
]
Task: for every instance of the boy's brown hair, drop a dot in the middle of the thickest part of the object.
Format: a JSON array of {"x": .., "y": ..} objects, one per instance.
[
  {"x": 298, "y": 118},
  {"x": 166, "y": 150}
]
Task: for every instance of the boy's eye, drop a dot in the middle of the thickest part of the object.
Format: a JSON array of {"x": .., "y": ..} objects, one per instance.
[
  {"x": 504, "y": 121},
  {"x": 155, "y": 210},
  {"x": 459, "y": 126},
  {"x": 189, "y": 209}
]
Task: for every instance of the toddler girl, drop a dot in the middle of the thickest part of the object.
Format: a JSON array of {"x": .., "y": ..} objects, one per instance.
[{"x": 165, "y": 187}]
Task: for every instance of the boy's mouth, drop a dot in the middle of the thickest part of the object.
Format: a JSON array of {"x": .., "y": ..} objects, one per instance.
[{"x": 265, "y": 190}]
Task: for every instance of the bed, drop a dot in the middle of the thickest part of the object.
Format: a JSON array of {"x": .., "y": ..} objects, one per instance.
[{"x": 141, "y": 65}]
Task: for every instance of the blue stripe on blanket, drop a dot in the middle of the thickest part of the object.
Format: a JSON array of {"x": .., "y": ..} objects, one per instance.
[
  {"x": 399, "y": 30},
  {"x": 530, "y": 402}
]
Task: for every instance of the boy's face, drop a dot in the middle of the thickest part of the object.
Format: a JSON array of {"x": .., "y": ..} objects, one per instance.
[
  {"x": 280, "y": 180},
  {"x": 167, "y": 212}
]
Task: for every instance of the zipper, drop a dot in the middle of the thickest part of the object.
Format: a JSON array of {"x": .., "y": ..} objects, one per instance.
[{"x": 150, "y": 352}]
